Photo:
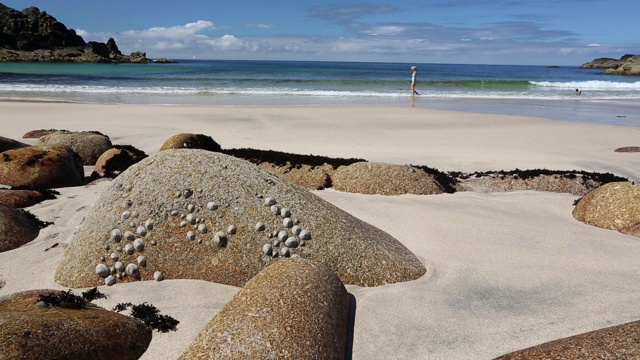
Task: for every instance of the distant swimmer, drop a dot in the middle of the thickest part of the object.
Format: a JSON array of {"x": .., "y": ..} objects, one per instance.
[
  {"x": 578, "y": 92},
  {"x": 414, "y": 78}
]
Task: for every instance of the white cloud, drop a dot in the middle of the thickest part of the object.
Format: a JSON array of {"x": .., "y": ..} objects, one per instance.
[
  {"x": 261, "y": 25},
  {"x": 594, "y": 45}
]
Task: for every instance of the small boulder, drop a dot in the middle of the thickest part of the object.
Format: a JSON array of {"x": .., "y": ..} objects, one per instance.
[
  {"x": 384, "y": 179},
  {"x": 614, "y": 206},
  {"x": 8, "y": 144},
  {"x": 35, "y": 134},
  {"x": 191, "y": 141},
  {"x": 116, "y": 160},
  {"x": 16, "y": 228},
  {"x": 88, "y": 145},
  {"x": 293, "y": 309},
  {"x": 31, "y": 327},
  {"x": 41, "y": 167},
  {"x": 20, "y": 198}
]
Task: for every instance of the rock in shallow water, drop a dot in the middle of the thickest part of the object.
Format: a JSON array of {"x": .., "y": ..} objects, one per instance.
[{"x": 359, "y": 253}]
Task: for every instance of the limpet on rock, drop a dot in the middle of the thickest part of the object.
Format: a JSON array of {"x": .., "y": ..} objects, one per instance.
[
  {"x": 174, "y": 212},
  {"x": 116, "y": 235},
  {"x": 269, "y": 201},
  {"x": 260, "y": 226},
  {"x": 202, "y": 228},
  {"x": 275, "y": 210},
  {"x": 191, "y": 235},
  {"x": 125, "y": 215},
  {"x": 119, "y": 248},
  {"x": 291, "y": 242},
  {"x": 284, "y": 212},
  {"x": 267, "y": 249},
  {"x": 158, "y": 276},
  {"x": 212, "y": 206},
  {"x": 232, "y": 229},
  {"x": 153, "y": 242},
  {"x": 132, "y": 269},
  {"x": 183, "y": 223},
  {"x": 119, "y": 266},
  {"x": 149, "y": 224},
  {"x": 114, "y": 256},
  {"x": 287, "y": 222},
  {"x": 220, "y": 238},
  {"x": 102, "y": 270},
  {"x": 191, "y": 219},
  {"x": 282, "y": 235},
  {"x": 141, "y": 231},
  {"x": 102, "y": 258},
  {"x": 305, "y": 235},
  {"x": 284, "y": 252},
  {"x": 296, "y": 230},
  {"x": 129, "y": 235},
  {"x": 187, "y": 193},
  {"x": 141, "y": 260},
  {"x": 127, "y": 203},
  {"x": 110, "y": 280},
  {"x": 190, "y": 208},
  {"x": 129, "y": 249},
  {"x": 138, "y": 244}
]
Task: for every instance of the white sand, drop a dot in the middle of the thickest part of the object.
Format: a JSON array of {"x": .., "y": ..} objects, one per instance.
[{"x": 505, "y": 270}]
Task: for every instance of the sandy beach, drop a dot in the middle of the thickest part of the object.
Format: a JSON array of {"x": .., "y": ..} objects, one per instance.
[{"x": 505, "y": 271}]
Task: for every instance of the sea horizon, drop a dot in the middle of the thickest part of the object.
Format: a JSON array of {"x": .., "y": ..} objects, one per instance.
[{"x": 525, "y": 90}]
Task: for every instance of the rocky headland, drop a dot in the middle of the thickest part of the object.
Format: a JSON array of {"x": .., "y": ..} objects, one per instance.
[
  {"x": 626, "y": 65},
  {"x": 32, "y": 35}
]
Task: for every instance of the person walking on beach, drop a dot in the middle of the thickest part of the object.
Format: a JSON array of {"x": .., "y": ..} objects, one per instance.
[{"x": 414, "y": 77}]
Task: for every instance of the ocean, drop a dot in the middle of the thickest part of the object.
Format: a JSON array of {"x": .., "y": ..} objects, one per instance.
[{"x": 548, "y": 92}]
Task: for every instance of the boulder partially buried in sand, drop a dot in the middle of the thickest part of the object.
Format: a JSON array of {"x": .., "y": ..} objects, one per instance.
[
  {"x": 613, "y": 206},
  {"x": 190, "y": 141},
  {"x": 16, "y": 228},
  {"x": 294, "y": 309},
  {"x": 197, "y": 214},
  {"x": 31, "y": 328},
  {"x": 384, "y": 179}
]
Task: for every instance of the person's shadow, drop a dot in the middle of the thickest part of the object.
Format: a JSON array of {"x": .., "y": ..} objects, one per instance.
[{"x": 351, "y": 327}]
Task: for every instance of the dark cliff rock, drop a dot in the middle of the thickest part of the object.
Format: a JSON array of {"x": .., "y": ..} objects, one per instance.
[
  {"x": 32, "y": 35},
  {"x": 626, "y": 65}
]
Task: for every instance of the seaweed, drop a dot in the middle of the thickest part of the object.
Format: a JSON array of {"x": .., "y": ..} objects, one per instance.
[
  {"x": 150, "y": 316},
  {"x": 279, "y": 158},
  {"x": 65, "y": 299},
  {"x": 445, "y": 180},
  {"x": 34, "y": 219},
  {"x": 93, "y": 294}
]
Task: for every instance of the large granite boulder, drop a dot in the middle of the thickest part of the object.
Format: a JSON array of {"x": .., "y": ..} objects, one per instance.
[
  {"x": 88, "y": 145},
  {"x": 8, "y": 144},
  {"x": 616, "y": 342},
  {"x": 116, "y": 160},
  {"x": 16, "y": 228},
  {"x": 384, "y": 179},
  {"x": 41, "y": 167},
  {"x": 293, "y": 309},
  {"x": 197, "y": 214},
  {"x": 190, "y": 141},
  {"x": 611, "y": 206},
  {"x": 31, "y": 328}
]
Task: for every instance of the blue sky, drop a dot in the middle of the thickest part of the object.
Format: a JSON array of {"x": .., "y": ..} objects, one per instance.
[{"x": 549, "y": 32}]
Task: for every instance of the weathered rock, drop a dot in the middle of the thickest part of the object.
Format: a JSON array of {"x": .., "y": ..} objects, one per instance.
[
  {"x": 180, "y": 189},
  {"x": 34, "y": 134},
  {"x": 384, "y": 179},
  {"x": 616, "y": 342},
  {"x": 8, "y": 144},
  {"x": 88, "y": 145},
  {"x": 35, "y": 36},
  {"x": 191, "y": 141},
  {"x": 116, "y": 160},
  {"x": 307, "y": 176},
  {"x": 20, "y": 198},
  {"x": 626, "y": 65},
  {"x": 41, "y": 167},
  {"x": 16, "y": 229},
  {"x": 611, "y": 206},
  {"x": 628, "y": 149},
  {"x": 31, "y": 330},
  {"x": 293, "y": 309}
]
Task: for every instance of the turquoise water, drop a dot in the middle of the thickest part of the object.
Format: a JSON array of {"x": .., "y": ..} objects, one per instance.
[{"x": 523, "y": 90}]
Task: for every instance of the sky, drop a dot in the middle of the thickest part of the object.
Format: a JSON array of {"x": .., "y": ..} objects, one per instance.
[{"x": 515, "y": 32}]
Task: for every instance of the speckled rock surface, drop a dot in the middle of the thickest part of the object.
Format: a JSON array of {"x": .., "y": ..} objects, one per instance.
[
  {"x": 8, "y": 144},
  {"x": 612, "y": 206},
  {"x": 293, "y": 309},
  {"x": 628, "y": 149},
  {"x": 16, "y": 229},
  {"x": 30, "y": 330},
  {"x": 190, "y": 141},
  {"x": 41, "y": 167},
  {"x": 165, "y": 198},
  {"x": 384, "y": 179},
  {"x": 88, "y": 145},
  {"x": 616, "y": 342}
]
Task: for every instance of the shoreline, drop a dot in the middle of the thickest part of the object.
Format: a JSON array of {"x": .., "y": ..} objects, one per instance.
[{"x": 506, "y": 271}]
